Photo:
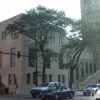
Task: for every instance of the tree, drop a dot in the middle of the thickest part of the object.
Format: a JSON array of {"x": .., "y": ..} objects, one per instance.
[
  {"x": 85, "y": 36},
  {"x": 40, "y": 24}
]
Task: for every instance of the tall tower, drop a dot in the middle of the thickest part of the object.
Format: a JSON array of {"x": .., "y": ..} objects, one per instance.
[{"x": 90, "y": 8}]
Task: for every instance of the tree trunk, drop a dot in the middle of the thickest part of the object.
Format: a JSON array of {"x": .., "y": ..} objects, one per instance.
[
  {"x": 71, "y": 78},
  {"x": 43, "y": 71}
]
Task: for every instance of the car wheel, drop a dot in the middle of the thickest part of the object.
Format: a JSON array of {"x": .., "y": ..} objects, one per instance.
[
  {"x": 43, "y": 98},
  {"x": 33, "y": 96},
  {"x": 84, "y": 94},
  {"x": 56, "y": 97},
  {"x": 71, "y": 95}
]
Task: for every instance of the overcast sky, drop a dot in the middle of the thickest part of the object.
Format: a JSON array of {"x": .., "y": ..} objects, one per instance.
[{"x": 10, "y": 8}]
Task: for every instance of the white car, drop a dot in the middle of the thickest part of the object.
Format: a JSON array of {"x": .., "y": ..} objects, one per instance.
[
  {"x": 35, "y": 91},
  {"x": 91, "y": 88},
  {"x": 98, "y": 95}
]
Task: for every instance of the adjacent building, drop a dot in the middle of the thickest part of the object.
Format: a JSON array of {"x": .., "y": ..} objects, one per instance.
[
  {"x": 90, "y": 8},
  {"x": 21, "y": 70}
]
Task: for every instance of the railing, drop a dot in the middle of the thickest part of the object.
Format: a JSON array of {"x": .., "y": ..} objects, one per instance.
[
  {"x": 82, "y": 79},
  {"x": 88, "y": 79}
]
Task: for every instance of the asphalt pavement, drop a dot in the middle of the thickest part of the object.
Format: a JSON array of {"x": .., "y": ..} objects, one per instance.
[
  {"x": 17, "y": 97},
  {"x": 78, "y": 92},
  {"x": 78, "y": 96}
]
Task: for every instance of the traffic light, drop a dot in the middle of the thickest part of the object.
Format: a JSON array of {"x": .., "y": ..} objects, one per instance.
[{"x": 18, "y": 54}]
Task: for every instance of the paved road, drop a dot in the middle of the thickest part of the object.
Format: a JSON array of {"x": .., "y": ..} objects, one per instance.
[{"x": 78, "y": 96}]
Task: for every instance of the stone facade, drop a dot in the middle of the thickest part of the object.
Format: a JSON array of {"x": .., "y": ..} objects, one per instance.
[{"x": 20, "y": 69}]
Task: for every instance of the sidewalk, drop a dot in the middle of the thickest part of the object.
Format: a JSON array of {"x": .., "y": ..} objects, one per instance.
[
  {"x": 16, "y": 96},
  {"x": 21, "y": 94},
  {"x": 78, "y": 92}
]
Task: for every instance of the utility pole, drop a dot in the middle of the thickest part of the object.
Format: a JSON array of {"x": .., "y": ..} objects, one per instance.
[{"x": 36, "y": 61}]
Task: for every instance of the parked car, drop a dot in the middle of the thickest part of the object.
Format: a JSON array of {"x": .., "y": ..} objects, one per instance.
[
  {"x": 91, "y": 88},
  {"x": 97, "y": 95},
  {"x": 43, "y": 87},
  {"x": 57, "y": 93}
]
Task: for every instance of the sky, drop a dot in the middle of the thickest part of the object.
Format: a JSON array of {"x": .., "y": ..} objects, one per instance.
[{"x": 10, "y": 8}]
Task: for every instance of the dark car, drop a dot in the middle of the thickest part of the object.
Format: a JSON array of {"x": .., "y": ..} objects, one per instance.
[
  {"x": 57, "y": 93},
  {"x": 45, "y": 86}
]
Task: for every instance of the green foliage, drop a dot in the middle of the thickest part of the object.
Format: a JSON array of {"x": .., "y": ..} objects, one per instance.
[
  {"x": 88, "y": 38},
  {"x": 72, "y": 64},
  {"x": 52, "y": 54},
  {"x": 40, "y": 24}
]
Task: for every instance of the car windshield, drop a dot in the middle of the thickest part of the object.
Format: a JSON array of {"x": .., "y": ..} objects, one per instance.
[
  {"x": 44, "y": 84},
  {"x": 93, "y": 86}
]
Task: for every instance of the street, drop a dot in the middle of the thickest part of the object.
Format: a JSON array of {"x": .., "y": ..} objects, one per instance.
[
  {"x": 7, "y": 97},
  {"x": 78, "y": 96}
]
